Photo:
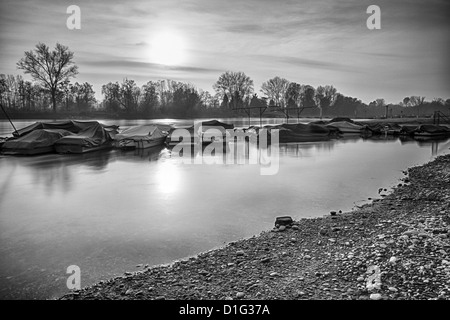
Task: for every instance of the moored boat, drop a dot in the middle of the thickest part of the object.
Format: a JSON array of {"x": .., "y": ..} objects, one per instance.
[
  {"x": 348, "y": 127},
  {"x": 38, "y": 141},
  {"x": 300, "y": 132},
  {"x": 199, "y": 132},
  {"x": 203, "y": 130},
  {"x": 92, "y": 138},
  {"x": 429, "y": 130},
  {"x": 142, "y": 137}
]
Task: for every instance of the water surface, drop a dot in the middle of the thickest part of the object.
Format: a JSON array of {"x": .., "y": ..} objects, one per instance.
[{"x": 108, "y": 211}]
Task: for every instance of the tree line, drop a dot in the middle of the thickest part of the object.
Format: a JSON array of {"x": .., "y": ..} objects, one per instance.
[{"x": 234, "y": 95}]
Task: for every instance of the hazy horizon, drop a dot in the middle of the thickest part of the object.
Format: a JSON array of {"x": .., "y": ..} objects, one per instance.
[{"x": 309, "y": 42}]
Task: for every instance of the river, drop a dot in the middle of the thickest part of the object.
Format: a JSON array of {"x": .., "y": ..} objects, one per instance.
[{"x": 109, "y": 211}]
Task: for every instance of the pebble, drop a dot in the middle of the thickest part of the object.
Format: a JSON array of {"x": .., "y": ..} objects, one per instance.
[
  {"x": 411, "y": 232},
  {"x": 240, "y": 253},
  {"x": 274, "y": 274},
  {"x": 392, "y": 289},
  {"x": 240, "y": 295},
  {"x": 375, "y": 296},
  {"x": 281, "y": 228}
]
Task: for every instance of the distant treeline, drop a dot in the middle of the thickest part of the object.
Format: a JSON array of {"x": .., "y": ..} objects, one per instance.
[
  {"x": 234, "y": 93},
  {"x": 52, "y": 92}
]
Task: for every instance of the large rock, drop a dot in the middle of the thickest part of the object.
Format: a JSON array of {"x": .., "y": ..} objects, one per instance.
[{"x": 283, "y": 221}]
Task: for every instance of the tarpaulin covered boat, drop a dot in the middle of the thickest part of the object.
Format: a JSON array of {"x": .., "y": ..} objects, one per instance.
[
  {"x": 203, "y": 130},
  {"x": 35, "y": 142},
  {"x": 375, "y": 128},
  {"x": 92, "y": 138},
  {"x": 69, "y": 125},
  {"x": 408, "y": 130},
  {"x": 391, "y": 128},
  {"x": 347, "y": 127},
  {"x": 430, "y": 130},
  {"x": 300, "y": 132},
  {"x": 141, "y": 137},
  {"x": 198, "y": 130}
]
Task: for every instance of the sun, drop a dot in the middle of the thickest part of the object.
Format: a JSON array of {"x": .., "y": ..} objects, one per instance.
[{"x": 167, "y": 48}]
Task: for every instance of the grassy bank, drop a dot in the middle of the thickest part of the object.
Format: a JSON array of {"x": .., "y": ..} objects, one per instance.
[{"x": 403, "y": 237}]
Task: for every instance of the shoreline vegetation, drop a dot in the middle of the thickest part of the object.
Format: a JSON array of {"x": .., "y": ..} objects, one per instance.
[
  {"x": 395, "y": 248},
  {"x": 52, "y": 92}
]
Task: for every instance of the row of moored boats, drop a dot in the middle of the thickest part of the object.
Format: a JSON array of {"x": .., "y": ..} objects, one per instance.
[{"x": 85, "y": 136}]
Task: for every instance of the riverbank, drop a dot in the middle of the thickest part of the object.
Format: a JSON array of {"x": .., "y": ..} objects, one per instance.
[{"x": 403, "y": 235}]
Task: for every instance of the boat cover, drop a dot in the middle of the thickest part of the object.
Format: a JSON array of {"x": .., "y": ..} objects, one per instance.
[
  {"x": 213, "y": 124},
  {"x": 310, "y": 128},
  {"x": 216, "y": 123},
  {"x": 91, "y": 137},
  {"x": 432, "y": 129},
  {"x": 345, "y": 126},
  {"x": 70, "y": 125},
  {"x": 35, "y": 141},
  {"x": 142, "y": 132}
]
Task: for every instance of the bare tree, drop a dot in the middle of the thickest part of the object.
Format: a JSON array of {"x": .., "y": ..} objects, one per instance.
[
  {"x": 406, "y": 101},
  {"x": 417, "y": 101},
  {"x": 235, "y": 86},
  {"x": 293, "y": 92},
  {"x": 324, "y": 97},
  {"x": 49, "y": 68},
  {"x": 275, "y": 89}
]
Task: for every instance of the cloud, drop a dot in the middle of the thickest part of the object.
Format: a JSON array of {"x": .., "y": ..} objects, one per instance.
[
  {"x": 305, "y": 62},
  {"x": 284, "y": 37},
  {"x": 147, "y": 66}
]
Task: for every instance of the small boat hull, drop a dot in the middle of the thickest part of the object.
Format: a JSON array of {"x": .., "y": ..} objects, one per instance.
[
  {"x": 75, "y": 148},
  {"x": 28, "y": 152}
]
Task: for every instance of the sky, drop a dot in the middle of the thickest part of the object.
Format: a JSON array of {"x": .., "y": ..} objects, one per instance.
[{"x": 305, "y": 41}]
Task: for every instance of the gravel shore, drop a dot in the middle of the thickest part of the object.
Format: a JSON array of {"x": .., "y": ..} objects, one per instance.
[{"x": 395, "y": 248}]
